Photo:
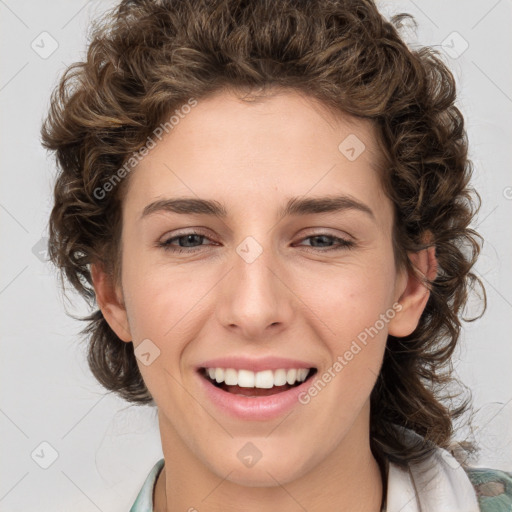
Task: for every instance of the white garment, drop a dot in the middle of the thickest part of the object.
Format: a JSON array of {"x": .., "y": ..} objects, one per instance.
[{"x": 439, "y": 484}]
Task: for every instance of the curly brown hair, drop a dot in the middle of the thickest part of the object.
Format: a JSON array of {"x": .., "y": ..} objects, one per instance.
[{"x": 148, "y": 57}]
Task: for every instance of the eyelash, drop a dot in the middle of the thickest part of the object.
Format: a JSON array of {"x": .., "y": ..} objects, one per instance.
[{"x": 343, "y": 244}]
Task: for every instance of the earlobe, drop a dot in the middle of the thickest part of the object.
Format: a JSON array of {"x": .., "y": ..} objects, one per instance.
[
  {"x": 415, "y": 294},
  {"x": 110, "y": 301}
]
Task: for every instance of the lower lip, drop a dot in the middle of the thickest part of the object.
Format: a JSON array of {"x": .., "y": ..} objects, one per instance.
[{"x": 253, "y": 409}]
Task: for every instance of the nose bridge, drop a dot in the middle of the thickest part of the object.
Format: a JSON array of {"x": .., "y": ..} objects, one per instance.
[{"x": 254, "y": 297}]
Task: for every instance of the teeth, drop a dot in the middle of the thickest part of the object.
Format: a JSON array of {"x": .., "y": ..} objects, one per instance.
[
  {"x": 291, "y": 376},
  {"x": 246, "y": 378},
  {"x": 231, "y": 377},
  {"x": 265, "y": 379}
]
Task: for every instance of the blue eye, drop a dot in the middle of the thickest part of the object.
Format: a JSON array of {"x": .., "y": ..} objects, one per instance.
[
  {"x": 342, "y": 243},
  {"x": 186, "y": 236},
  {"x": 167, "y": 245}
]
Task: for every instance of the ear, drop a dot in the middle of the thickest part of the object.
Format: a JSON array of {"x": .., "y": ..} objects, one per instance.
[
  {"x": 415, "y": 294},
  {"x": 111, "y": 303}
]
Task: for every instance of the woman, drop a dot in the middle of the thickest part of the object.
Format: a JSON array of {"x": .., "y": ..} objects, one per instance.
[{"x": 269, "y": 203}]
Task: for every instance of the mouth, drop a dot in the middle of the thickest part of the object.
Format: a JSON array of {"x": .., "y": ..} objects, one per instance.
[{"x": 266, "y": 385}]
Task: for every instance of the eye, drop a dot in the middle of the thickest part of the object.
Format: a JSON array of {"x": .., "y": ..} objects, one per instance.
[
  {"x": 186, "y": 242},
  {"x": 324, "y": 237},
  {"x": 186, "y": 238}
]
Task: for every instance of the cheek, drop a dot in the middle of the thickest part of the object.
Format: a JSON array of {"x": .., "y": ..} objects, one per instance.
[
  {"x": 348, "y": 298},
  {"x": 352, "y": 308},
  {"x": 350, "y": 323},
  {"x": 160, "y": 307},
  {"x": 158, "y": 299}
]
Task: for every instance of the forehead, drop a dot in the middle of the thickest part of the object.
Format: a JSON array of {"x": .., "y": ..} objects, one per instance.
[{"x": 255, "y": 151}]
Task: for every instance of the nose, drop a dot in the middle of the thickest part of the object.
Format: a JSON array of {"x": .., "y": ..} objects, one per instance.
[{"x": 255, "y": 298}]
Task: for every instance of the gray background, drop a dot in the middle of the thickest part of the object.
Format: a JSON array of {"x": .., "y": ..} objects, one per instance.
[{"x": 105, "y": 447}]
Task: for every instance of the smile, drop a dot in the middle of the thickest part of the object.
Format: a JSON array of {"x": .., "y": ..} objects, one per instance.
[
  {"x": 252, "y": 395},
  {"x": 229, "y": 379}
]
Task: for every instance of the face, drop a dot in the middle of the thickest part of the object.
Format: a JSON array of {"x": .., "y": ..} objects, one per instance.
[{"x": 254, "y": 283}]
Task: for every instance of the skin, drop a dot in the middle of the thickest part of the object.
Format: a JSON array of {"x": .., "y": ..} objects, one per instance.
[{"x": 295, "y": 300}]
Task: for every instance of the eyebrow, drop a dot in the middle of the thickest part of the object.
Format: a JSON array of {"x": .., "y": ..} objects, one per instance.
[{"x": 294, "y": 206}]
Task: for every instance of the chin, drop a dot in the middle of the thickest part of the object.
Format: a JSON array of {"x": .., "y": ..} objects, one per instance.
[{"x": 269, "y": 473}]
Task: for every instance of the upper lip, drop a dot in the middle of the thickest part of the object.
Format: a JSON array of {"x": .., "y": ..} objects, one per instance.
[{"x": 255, "y": 365}]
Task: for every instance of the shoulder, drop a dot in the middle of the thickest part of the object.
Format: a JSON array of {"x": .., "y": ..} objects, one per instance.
[{"x": 493, "y": 488}]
